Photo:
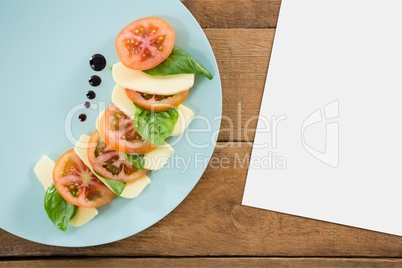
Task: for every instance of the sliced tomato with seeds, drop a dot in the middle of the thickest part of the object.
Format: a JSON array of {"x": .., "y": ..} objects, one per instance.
[
  {"x": 111, "y": 164},
  {"x": 78, "y": 184},
  {"x": 118, "y": 131},
  {"x": 156, "y": 103},
  {"x": 145, "y": 43}
]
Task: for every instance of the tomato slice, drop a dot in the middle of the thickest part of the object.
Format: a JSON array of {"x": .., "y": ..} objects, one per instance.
[
  {"x": 118, "y": 131},
  {"x": 156, "y": 103},
  {"x": 145, "y": 43},
  {"x": 110, "y": 163},
  {"x": 77, "y": 184}
]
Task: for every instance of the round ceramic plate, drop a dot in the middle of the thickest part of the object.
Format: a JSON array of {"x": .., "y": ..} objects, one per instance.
[{"x": 44, "y": 71}]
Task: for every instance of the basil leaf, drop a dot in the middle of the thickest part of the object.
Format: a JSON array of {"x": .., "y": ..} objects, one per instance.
[
  {"x": 137, "y": 160},
  {"x": 59, "y": 211},
  {"x": 75, "y": 212},
  {"x": 155, "y": 127},
  {"x": 116, "y": 186},
  {"x": 179, "y": 62}
]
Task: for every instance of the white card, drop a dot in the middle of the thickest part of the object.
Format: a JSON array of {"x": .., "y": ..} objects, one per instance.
[{"x": 329, "y": 138}]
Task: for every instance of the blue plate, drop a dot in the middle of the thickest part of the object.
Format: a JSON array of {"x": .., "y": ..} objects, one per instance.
[{"x": 44, "y": 71}]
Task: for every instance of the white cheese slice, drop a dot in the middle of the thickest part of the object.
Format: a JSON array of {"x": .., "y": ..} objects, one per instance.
[
  {"x": 186, "y": 115},
  {"x": 157, "y": 158},
  {"x": 142, "y": 82},
  {"x": 80, "y": 149},
  {"x": 83, "y": 216},
  {"x": 98, "y": 119},
  {"x": 44, "y": 172},
  {"x": 132, "y": 189},
  {"x": 120, "y": 99}
]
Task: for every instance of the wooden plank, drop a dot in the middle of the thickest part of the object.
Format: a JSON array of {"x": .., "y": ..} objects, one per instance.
[
  {"x": 208, "y": 262},
  {"x": 242, "y": 56},
  {"x": 212, "y": 222},
  {"x": 235, "y": 13}
]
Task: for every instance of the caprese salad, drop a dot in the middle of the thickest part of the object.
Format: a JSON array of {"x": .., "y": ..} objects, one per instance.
[{"x": 152, "y": 79}]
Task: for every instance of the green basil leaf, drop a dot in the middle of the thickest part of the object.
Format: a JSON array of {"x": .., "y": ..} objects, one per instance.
[
  {"x": 59, "y": 211},
  {"x": 155, "y": 127},
  {"x": 116, "y": 186},
  {"x": 179, "y": 62},
  {"x": 75, "y": 212},
  {"x": 137, "y": 160}
]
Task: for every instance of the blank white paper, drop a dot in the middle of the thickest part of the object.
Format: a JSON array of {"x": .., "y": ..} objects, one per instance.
[{"x": 329, "y": 137}]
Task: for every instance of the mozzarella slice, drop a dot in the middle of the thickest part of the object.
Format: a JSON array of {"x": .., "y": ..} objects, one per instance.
[
  {"x": 120, "y": 99},
  {"x": 83, "y": 216},
  {"x": 99, "y": 118},
  {"x": 44, "y": 172},
  {"x": 80, "y": 149},
  {"x": 132, "y": 189},
  {"x": 186, "y": 115},
  {"x": 142, "y": 82},
  {"x": 157, "y": 158}
]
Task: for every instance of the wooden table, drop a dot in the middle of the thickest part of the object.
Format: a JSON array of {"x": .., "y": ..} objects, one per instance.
[{"x": 211, "y": 227}]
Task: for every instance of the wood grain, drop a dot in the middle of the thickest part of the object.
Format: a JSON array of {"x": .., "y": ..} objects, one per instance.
[
  {"x": 209, "y": 262},
  {"x": 212, "y": 222},
  {"x": 235, "y": 13},
  {"x": 243, "y": 65}
]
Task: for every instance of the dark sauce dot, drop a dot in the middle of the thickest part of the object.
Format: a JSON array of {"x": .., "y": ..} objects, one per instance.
[
  {"x": 95, "y": 80},
  {"x": 82, "y": 117},
  {"x": 87, "y": 104},
  {"x": 91, "y": 95},
  {"x": 97, "y": 62}
]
